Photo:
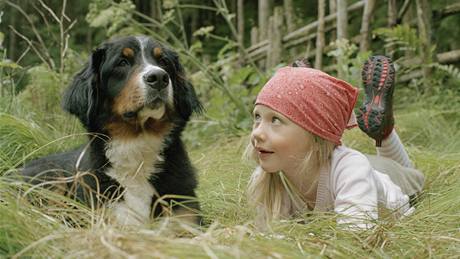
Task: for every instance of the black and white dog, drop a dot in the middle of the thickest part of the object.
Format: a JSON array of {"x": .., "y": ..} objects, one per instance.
[{"x": 134, "y": 100}]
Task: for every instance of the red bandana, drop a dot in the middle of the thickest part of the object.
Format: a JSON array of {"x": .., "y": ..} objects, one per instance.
[{"x": 314, "y": 100}]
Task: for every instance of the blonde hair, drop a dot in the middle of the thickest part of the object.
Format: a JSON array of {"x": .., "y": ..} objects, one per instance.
[{"x": 272, "y": 195}]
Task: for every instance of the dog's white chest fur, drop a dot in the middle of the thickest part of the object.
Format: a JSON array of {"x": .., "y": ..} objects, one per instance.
[{"x": 133, "y": 162}]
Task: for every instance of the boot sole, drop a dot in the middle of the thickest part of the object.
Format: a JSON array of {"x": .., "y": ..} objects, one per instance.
[{"x": 378, "y": 77}]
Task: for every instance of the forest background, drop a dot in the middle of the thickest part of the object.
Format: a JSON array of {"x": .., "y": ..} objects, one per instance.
[{"x": 229, "y": 49}]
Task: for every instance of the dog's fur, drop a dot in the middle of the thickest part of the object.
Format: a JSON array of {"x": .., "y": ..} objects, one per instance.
[{"x": 134, "y": 100}]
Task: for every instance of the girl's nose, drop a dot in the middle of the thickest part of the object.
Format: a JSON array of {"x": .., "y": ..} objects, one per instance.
[{"x": 258, "y": 133}]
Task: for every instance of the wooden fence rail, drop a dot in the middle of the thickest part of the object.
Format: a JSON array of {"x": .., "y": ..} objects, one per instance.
[
  {"x": 302, "y": 35},
  {"x": 268, "y": 52}
]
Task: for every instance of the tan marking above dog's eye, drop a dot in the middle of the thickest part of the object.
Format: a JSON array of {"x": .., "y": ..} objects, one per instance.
[
  {"x": 157, "y": 52},
  {"x": 128, "y": 52}
]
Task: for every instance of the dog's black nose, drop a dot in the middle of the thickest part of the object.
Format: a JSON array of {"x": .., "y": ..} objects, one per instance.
[{"x": 157, "y": 79}]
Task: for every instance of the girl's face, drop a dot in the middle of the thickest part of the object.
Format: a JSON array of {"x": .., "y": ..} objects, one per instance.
[{"x": 280, "y": 144}]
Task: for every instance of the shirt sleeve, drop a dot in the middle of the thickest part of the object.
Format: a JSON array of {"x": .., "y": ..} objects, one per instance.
[
  {"x": 355, "y": 190},
  {"x": 395, "y": 199}
]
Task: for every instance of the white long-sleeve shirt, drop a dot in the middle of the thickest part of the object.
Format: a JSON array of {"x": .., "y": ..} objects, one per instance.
[{"x": 354, "y": 189}]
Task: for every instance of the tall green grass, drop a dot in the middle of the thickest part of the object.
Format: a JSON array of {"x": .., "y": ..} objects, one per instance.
[
  {"x": 38, "y": 223},
  {"x": 35, "y": 222}
]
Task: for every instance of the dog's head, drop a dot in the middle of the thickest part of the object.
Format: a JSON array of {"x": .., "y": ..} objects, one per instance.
[{"x": 129, "y": 86}]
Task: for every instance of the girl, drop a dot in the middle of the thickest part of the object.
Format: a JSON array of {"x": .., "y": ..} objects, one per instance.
[{"x": 299, "y": 118}]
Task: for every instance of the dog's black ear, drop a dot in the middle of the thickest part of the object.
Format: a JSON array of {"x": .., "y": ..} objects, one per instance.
[
  {"x": 192, "y": 98},
  {"x": 187, "y": 101},
  {"x": 80, "y": 97}
]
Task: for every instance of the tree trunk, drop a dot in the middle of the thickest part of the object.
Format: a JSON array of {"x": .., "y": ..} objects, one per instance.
[
  {"x": 142, "y": 6},
  {"x": 403, "y": 9},
  {"x": 408, "y": 18},
  {"x": 240, "y": 19},
  {"x": 320, "y": 35},
  {"x": 424, "y": 27},
  {"x": 155, "y": 10},
  {"x": 194, "y": 24},
  {"x": 276, "y": 37},
  {"x": 342, "y": 19},
  {"x": 264, "y": 14},
  {"x": 13, "y": 42},
  {"x": 233, "y": 9},
  {"x": 333, "y": 10},
  {"x": 391, "y": 22},
  {"x": 289, "y": 14},
  {"x": 342, "y": 28},
  {"x": 392, "y": 13},
  {"x": 365, "y": 25},
  {"x": 254, "y": 35}
]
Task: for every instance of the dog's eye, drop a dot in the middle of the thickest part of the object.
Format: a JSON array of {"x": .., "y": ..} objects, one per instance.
[
  {"x": 162, "y": 62},
  {"x": 123, "y": 63}
]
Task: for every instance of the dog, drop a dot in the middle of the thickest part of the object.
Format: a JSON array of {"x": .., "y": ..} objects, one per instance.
[{"x": 134, "y": 100}]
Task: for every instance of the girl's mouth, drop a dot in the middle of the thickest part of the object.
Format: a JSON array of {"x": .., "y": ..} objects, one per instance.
[{"x": 263, "y": 153}]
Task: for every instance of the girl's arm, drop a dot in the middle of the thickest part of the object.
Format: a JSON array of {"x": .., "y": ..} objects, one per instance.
[{"x": 355, "y": 191}]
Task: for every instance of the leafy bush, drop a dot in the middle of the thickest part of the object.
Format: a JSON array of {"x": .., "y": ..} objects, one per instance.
[
  {"x": 349, "y": 60},
  {"x": 222, "y": 115},
  {"x": 42, "y": 95}
]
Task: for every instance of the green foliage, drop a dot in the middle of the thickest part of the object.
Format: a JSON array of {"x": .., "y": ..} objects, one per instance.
[
  {"x": 42, "y": 94},
  {"x": 36, "y": 222},
  {"x": 19, "y": 139},
  {"x": 446, "y": 33},
  {"x": 400, "y": 39},
  {"x": 221, "y": 115},
  {"x": 349, "y": 60},
  {"x": 2, "y": 36},
  {"x": 404, "y": 43},
  {"x": 7, "y": 69},
  {"x": 6, "y": 63},
  {"x": 449, "y": 70},
  {"x": 110, "y": 16}
]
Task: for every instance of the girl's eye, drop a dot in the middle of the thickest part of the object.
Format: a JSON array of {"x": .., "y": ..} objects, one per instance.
[
  {"x": 123, "y": 63},
  {"x": 256, "y": 117},
  {"x": 276, "y": 120}
]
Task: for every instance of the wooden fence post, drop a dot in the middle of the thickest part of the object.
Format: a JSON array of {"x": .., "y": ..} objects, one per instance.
[
  {"x": 289, "y": 14},
  {"x": 342, "y": 32},
  {"x": 333, "y": 10},
  {"x": 254, "y": 35},
  {"x": 275, "y": 37},
  {"x": 320, "y": 39},
  {"x": 240, "y": 20},
  {"x": 264, "y": 8},
  {"x": 365, "y": 24},
  {"x": 342, "y": 19},
  {"x": 268, "y": 56},
  {"x": 424, "y": 30},
  {"x": 392, "y": 13},
  {"x": 392, "y": 17}
]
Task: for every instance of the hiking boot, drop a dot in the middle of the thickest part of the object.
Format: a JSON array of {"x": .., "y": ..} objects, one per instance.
[{"x": 375, "y": 116}]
